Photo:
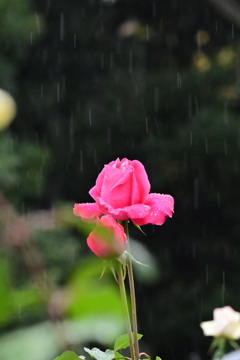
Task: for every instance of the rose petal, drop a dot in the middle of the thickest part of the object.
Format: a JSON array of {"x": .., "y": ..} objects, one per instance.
[
  {"x": 226, "y": 313},
  {"x": 209, "y": 328},
  {"x": 117, "y": 187},
  {"x": 142, "y": 181},
  {"x": 95, "y": 191},
  {"x": 161, "y": 206},
  {"x": 232, "y": 331},
  {"x": 87, "y": 211},
  {"x": 128, "y": 212}
]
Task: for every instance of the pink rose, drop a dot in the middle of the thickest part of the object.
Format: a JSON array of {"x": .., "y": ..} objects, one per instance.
[
  {"x": 122, "y": 190},
  {"x": 108, "y": 239}
]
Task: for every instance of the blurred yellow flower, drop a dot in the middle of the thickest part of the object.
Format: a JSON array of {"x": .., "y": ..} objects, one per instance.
[
  {"x": 202, "y": 37},
  {"x": 225, "y": 324},
  {"x": 7, "y": 109},
  {"x": 226, "y": 57},
  {"x": 229, "y": 93},
  {"x": 201, "y": 62}
]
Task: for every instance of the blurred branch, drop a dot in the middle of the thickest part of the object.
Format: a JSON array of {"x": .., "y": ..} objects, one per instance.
[{"x": 228, "y": 8}]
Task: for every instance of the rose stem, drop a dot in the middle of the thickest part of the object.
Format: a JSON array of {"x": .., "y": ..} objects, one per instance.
[
  {"x": 125, "y": 308},
  {"x": 132, "y": 294}
]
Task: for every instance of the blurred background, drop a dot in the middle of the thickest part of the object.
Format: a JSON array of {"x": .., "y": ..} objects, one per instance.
[{"x": 93, "y": 80}]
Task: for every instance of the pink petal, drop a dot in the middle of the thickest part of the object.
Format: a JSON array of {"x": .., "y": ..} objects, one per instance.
[
  {"x": 127, "y": 212},
  {"x": 116, "y": 187},
  {"x": 161, "y": 206},
  {"x": 87, "y": 211},
  {"x": 95, "y": 191},
  {"x": 142, "y": 180}
]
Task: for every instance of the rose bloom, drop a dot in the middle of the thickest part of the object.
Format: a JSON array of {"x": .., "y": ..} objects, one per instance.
[
  {"x": 225, "y": 323},
  {"x": 122, "y": 190},
  {"x": 108, "y": 239}
]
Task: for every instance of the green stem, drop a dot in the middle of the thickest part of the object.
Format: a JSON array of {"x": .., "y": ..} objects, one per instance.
[
  {"x": 125, "y": 309},
  {"x": 132, "y": 295}
]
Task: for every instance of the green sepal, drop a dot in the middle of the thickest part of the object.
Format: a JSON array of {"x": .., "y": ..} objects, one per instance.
[
  {"x": 122, "y": 342},
  {"x": 67, "y": 355},
  {"x": 136, "y": 261},
  {"x": 158, "y": 358},
  {"x": 100, "y": 355},
  {"x": 234, "y": 344},
  {"x": 139, "y": 228}
]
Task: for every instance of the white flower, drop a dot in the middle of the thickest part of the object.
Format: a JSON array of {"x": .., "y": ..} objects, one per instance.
[{"x": 225, "y": 323}]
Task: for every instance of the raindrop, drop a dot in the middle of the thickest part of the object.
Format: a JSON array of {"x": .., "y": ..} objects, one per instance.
[
  {"x": 130, "y": 62},
  {"x": 206, "y": 145},
  {"x": 155, "y": 120},
  {"x": 154, "y": 9},
  {"x": 161, "y": 24},
  {"x": 61, "y": 27},
  {"x": 58, "y": 92},
  {"x": 71, "y": 133},
  {"x": 156, "y": 99},
  {"x": 226, "y": 113},
  {"x": 136, "y": 90},
  {"x": 81, "y": 160},
  {"x": 95, "y": 156},
  {"x": 74, "y": 41},
  {"x": 41, "y": 90},
  {"x": 223, "y": 288},
  {"x": 90, "y": 117},
  {"x": 225, "y": 146},
  {"x": 232, "y": 31},
  {"x": 19, "y": 312},
  {"x": 146, "y": 125},
  {"x": 147, "y": 32},
  {"x": 44, "y": 56},
  {"x": 196, "y": 193},
  {"x": 194, "y": 250},
  {"x": 102, "y": 61},
  {"x": 108, "y": 136},
  {"x": 196, "y": 104},
  {"x": 191, "y": 138},
  {"x": 118, "y": 47},
  {"x": 216, "y": 26},
  {"x": 218, "y": 200},
  {"x": 206, "y": 274},
  {"x": 119, "y": 107},
  {"x": 37, "y": 23},
  {"x": 31, "y": 38},
  {"x": 111, "y": 60},
  {"x": 189, "y": 106},
  {"x": 179, "y": 81},
  {"x": 63, "y": 83}
]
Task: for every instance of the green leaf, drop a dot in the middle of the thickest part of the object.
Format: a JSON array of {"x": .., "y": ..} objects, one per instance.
[
  {"x": 68, "y": 355},
  {"x": 158, "y": 358},
  {"x": 122, "y": 341},
  {"x": 100, "y": 355},
  {"x": 117, "y": 355}
]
